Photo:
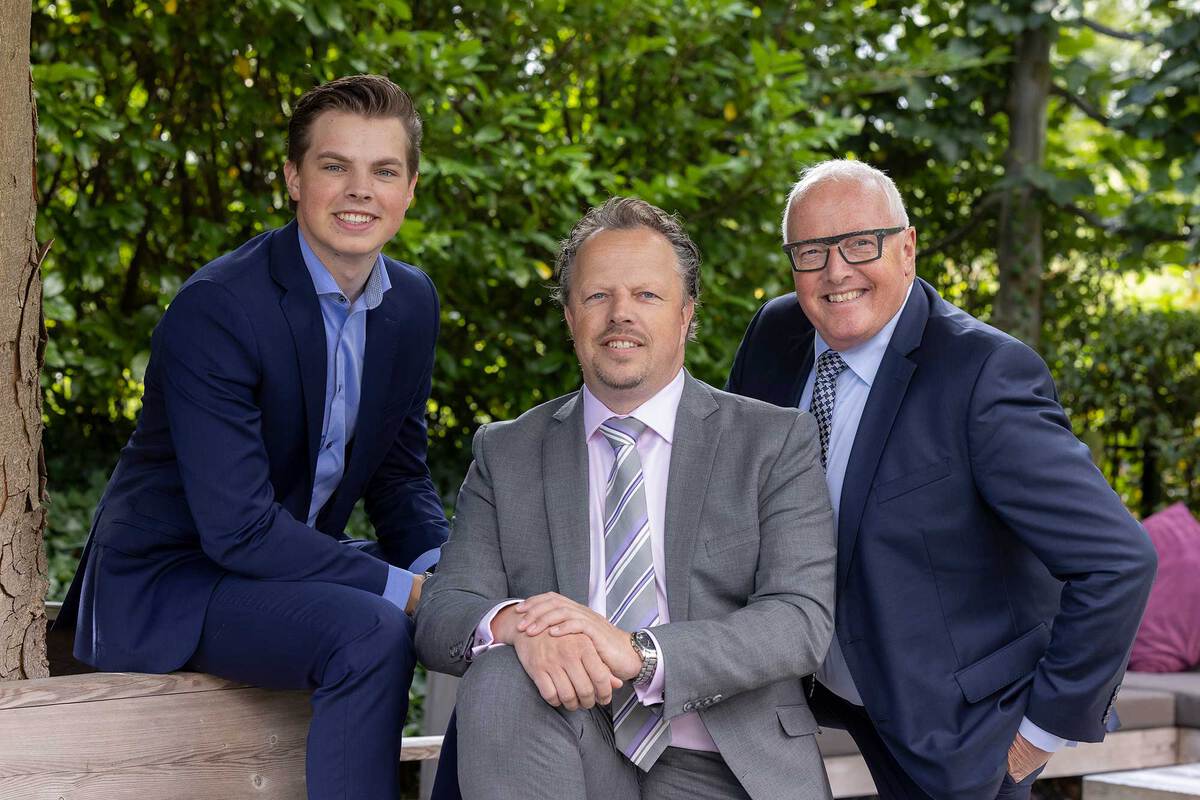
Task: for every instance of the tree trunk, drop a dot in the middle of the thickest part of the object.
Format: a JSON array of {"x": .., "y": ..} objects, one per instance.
[
  {"x": 22, "y": 341},
  {"x": 1018, "y": 305}
]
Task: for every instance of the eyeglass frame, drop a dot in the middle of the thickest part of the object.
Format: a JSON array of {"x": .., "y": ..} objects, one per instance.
[{"x": 836, "y": 241}]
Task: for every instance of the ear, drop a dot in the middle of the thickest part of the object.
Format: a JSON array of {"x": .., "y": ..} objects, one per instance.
[
  {"x": 908, "y": 251},
  {"x": 689, "y": 311},
  {"x": 291, "y": 177}
]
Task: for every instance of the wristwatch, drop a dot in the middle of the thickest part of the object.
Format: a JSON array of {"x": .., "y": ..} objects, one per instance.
[{"x": 643, "y": 643}]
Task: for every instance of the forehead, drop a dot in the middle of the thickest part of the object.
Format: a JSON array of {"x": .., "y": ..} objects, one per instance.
[
  {"x": 838, "y": 207},
  {"x": 357, "y": 136},
  {"x": 626, "y": 256}
]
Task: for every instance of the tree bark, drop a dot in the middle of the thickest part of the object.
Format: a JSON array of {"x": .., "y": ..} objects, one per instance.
[
  {"x": 23, "y": 580},
  {"x": 1018, "y": 305}
]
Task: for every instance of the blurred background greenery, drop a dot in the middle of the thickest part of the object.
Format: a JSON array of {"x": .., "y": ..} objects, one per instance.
[{"x": 162, "y": 135}]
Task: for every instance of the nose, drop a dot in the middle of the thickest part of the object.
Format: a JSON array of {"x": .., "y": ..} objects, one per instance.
[
  {"x": 359, "y": 187},
  {"x": 621, "y": 308},
  {"x": 837, "y": 269}
]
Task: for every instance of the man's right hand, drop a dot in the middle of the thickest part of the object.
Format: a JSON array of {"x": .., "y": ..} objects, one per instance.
[{"x": 567, "y": 670}]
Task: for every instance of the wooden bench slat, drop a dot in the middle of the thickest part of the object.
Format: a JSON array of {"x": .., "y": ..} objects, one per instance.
[{"x": 90, "y": 687}]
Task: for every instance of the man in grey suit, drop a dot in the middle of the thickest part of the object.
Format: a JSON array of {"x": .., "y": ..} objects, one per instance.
[{"x": 640, "y": 572}]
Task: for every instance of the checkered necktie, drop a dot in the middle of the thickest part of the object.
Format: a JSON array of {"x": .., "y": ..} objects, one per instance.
[
  {"x": 829, "y": 366},
  {"x": 640, "y": 732}
]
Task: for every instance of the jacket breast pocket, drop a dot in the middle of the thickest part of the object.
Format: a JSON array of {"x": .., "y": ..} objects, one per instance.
[{"x": 912, "y": 480}]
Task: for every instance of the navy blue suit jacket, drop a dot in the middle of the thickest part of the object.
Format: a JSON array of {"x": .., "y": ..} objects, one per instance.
[
  {"x": 218, "y": 475},
  {"x": 986, "y": 570}
]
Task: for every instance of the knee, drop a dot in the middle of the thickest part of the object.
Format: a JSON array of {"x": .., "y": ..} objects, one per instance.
[
  {"x": 382, "y": 642},
  {"x": 496, "y": 693}
]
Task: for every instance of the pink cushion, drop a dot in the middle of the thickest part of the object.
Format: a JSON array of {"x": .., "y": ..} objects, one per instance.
[{"x": 1169, "y": 639}]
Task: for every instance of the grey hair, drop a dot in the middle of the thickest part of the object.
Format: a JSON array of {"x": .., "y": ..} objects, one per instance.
[
  {"x": 845, "y": 171},
  {"x": 622, "y": 214}
]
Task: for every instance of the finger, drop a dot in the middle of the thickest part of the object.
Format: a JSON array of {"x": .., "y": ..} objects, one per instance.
[
  {"x": 565, "y": 688},
  {"x": 600, "y": 676},
  {"x": 574, "y": 625},
  {"x": 540, "y": 599},
  {"x": 535, "y": 622},
  {"x": 546, "y": 687},
  {"x": 581, "y": 682}
]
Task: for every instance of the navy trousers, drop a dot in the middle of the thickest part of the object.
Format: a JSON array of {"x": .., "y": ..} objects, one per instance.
[
  {"x": 891, "y": 781},
  {"x": 351, "y": 648}
]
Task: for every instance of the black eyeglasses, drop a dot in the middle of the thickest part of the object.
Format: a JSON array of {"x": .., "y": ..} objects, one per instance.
[{"x": 856, "y": 247}]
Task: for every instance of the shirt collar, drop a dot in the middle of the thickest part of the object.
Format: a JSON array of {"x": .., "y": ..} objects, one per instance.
[
  {"x": 864, "y": 359},
  {"x": 378, "y": 281},
  {"x": 658, "y": 413}
]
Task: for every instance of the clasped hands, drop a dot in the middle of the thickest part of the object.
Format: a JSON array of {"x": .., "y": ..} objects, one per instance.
[{"x": 574, "y": 656}]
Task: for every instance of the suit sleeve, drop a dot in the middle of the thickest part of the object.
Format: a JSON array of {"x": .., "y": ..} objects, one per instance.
[
  {"x": 735, "y": 383},
  {"x": 1040, "y": 480},
  {"x": 401, "y": 500},
  {"x": 784, "y": 629},
  {"x": 210, "y": 370},
  {"x": 470, "y": 580}
]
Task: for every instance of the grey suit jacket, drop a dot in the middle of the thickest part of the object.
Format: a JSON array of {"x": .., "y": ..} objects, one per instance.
[{"x": 750, "y": 562}]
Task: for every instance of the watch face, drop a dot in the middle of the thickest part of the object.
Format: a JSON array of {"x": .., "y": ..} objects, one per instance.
[{"x": 643, "y": 640}]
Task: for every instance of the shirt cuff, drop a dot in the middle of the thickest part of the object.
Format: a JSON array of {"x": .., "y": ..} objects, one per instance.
[
  {"x": 398, "y": 587},
  {"x": 653, "y": 693},
  {"x": 484, "y": 640},
  {"x": 426, "y": 561},
  {"x": 1041, "y": 739}
]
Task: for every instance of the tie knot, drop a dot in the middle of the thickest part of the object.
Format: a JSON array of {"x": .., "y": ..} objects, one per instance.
[
  {"x": 622, "y": 431},
  {"x": 830, "y": 364}
]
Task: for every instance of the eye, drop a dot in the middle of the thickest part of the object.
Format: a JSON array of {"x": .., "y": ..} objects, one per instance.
[
  {"x": 387, "y": 173},
  {"x": 648, "y": 295},
  {"x": 333, "y": 168},
  {"x": 595, "y": 296}
]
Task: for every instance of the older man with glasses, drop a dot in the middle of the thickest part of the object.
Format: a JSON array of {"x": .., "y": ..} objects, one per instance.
[{"x": 989, "y": 581}]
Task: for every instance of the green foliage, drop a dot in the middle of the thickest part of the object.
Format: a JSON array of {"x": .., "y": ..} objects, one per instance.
[{"x": 162, "y": 140}]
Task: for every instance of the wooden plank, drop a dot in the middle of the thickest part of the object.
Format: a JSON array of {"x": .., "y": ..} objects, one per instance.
[
  {"x": 421, "y": 748},
  {"x": 1164, "y": 783},
  {"x": 97, "y": 686},
  {"x": 220, "y": 745},
  {"x": 1151, "y": 747},
  {"x": 1189, "y": 745},
  {"x": 849, "y": 776}
]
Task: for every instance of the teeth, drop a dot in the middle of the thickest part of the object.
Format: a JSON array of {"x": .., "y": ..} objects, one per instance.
[
  {"x": 844, "y": 296},
  {"x": 621, "y": 345},
  {"x": 355, "y": 219}
]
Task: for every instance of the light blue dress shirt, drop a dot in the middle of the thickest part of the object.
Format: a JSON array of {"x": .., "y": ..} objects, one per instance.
[
  {"x": 345, "y": 343},
  {"x": 853, "y": 389}
]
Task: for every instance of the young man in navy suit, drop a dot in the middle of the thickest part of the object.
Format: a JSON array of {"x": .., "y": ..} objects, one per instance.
[
  {"x": 287, "y": 380},
  {"x": 989, "y": 581}
]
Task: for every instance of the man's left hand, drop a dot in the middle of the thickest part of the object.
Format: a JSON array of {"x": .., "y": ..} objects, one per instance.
[
  {"x": 1024, "y": 758},
  {"x": 561, "y": 616}
]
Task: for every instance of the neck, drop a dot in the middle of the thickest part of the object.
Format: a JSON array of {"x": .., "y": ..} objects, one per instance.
[
  {"x": 351, "y": 279},
  {"x": 624, "y": 401}
]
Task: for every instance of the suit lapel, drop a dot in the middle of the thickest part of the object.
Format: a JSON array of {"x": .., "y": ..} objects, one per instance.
[
  {"x": 883, "y": 403},
  {"x": 801, "y": 353},
  {"x": 565, "y": 486},
  {"x": 693, "y": 451},
  {"x": 303, "y": 315},
  {"x": 384, "y": 334}
]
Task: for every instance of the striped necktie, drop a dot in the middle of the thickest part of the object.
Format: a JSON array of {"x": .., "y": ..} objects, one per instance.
[
  {"x": 829, "y": 366},
  {"x": 630, "y": 597}
]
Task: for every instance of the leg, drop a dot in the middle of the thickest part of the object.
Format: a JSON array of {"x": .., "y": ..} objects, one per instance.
[
  {"x": 681, "y": 774},
  {"x": 891, "y": 781},
  {"x": 445, "y": 785},
  {"x": 353, "y": 649},
  {"x": 515, "y": 746}
]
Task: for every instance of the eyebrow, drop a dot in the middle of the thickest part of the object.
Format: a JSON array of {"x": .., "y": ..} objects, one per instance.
[{"x": 383, "y": 162}]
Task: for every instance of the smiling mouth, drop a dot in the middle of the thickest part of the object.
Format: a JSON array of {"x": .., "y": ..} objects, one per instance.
[
  {"x": 845, "y": 297},
  {"x": 621, "y": 344},
  {"x": 354, "y": 218}
]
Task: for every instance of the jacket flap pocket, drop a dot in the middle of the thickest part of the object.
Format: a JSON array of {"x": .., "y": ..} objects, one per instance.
[
  {"x": 1011, "y": 662},
  {"x": 797, "y": 720},
  {"x": 911, "y": 480},
  {"x": 167, "y": 509},
  {"x": 723, "y": 542}
]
